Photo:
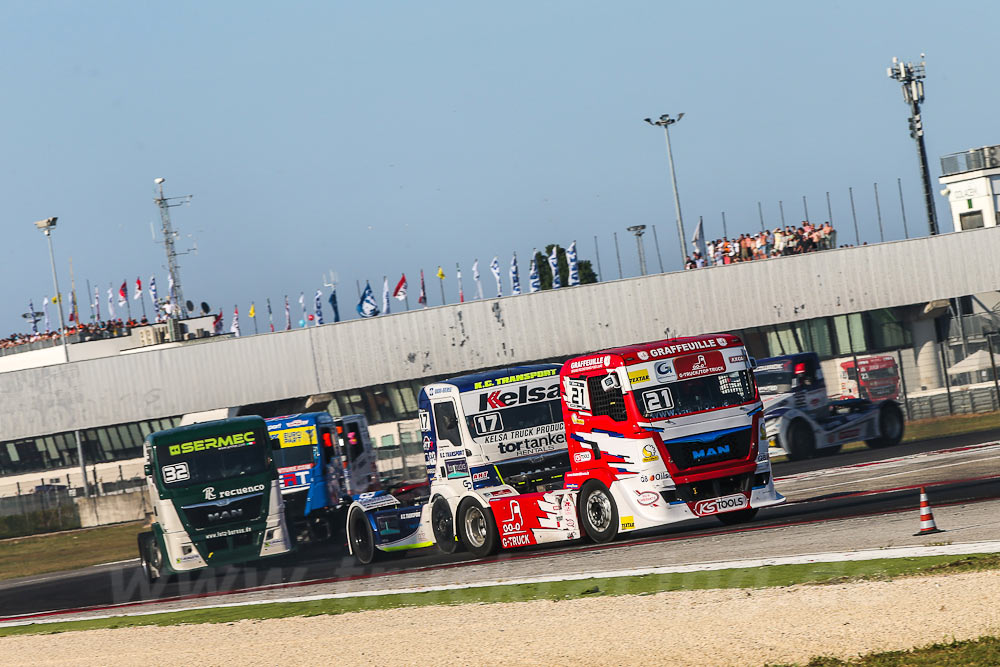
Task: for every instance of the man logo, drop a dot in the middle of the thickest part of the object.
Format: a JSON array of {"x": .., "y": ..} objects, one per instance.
[{"x": 209, "y": 493}]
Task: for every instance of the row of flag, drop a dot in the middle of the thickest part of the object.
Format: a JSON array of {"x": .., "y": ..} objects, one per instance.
[
  {"x": 161, "y": 310},
  {"x": 368, "y": 306}
]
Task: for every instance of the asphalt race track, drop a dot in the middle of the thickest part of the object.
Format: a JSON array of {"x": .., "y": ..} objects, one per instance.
[{"x": 123, "y": 583}]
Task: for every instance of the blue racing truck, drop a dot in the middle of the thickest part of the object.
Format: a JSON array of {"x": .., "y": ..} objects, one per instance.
[
  {"x": 322, "y": 462},
  {"x": 802, "y": 420}
]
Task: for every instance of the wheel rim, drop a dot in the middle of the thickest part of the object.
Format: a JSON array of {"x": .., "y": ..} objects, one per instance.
[
  {"x": 475, "y": 526},
  {"x": 442, "y": 524},
  {"x": 599, "y": 511}
]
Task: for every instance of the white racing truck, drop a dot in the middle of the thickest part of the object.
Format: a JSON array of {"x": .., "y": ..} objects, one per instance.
[{"x": 803, "y": 421}]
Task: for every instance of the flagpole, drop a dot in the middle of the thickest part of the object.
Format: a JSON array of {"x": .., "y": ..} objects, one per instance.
[
  {"x": 254, "y": 318},
  {"x": 407, "y": 299},
  {"x": 143, "y": 302},
  {"x": 72, "y": 290},
  {"x": 90, "y": 303},
  {"x": 270, "y": 315},
  {"x": 441, "y": 280}
]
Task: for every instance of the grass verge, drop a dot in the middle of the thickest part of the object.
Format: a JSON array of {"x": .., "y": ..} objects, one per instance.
[
  {"x": 970, "y": 653},
  {"x": 761, "y": 577},
  {"x": 57, "y": 552}
]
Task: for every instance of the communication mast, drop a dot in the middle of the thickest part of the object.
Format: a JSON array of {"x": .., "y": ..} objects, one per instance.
[{"x": 169, "y": 237}]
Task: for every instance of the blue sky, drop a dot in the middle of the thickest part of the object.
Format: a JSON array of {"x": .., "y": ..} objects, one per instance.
[{"x": 378, "y": 138}]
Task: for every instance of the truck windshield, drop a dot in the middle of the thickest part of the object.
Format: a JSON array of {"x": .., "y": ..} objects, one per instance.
[
  {"x": 185, "y": 466},
  {"x": 774, "y": 378},
  {"x": 879, "y": 373},
  {"x": 293, "y": 456},
  {"x": 696, "y": 395}
]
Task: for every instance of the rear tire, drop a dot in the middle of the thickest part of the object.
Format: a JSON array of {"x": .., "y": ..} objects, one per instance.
[
  {"x": 739, "y": 516},
  {"x": 801, "y": 441},
  {"x": 362, "y": 537},
  {"x": 149, "y": 556},
  {"x": 477, "y": 529},
  {"x": 598, "y": 513},
  {"x": 890, "y": 426},
  {"x": 443, "y": 525}
]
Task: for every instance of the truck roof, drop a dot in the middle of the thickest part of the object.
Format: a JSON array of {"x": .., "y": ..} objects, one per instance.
[
  {"x": 293, "y": 421},
  {"x": 500, "y": 376},
  {"x": 660, "y": 349},
  {"x": 210, "y": 428}
]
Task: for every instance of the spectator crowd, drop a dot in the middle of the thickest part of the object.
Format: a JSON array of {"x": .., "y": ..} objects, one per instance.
[
  {"x": 765, "y": 244},
  {"x": 85, "y": 331}
]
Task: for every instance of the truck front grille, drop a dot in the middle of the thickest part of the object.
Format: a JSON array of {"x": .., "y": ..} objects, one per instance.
[
  {"x": 730, "y": 446},
  {"x": 225, "y": 511}
]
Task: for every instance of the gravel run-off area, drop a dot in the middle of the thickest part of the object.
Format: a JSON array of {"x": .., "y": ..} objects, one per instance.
[{"x": 712, "y": 627}]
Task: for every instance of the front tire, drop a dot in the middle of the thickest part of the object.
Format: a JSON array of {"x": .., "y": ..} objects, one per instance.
[
  {"x": 477, "y": 529},
  {"x": 362, "y": 537},
  {"x": 890, "y": 426},
  {"x": 150, "y": 558},
  {"x": 737, "y": 517},
  {"x": 443, "y": 525},
  {"x": 801, "y": 440},
  {"x": 598, "y": 513}
]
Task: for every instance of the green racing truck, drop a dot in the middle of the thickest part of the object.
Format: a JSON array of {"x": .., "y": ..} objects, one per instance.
[{"x": 215, "y": 495}]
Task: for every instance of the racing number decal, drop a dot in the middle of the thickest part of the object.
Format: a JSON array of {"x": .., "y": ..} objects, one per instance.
[
  {"x": 425, "y": 420},
  {"x": 576, "y": 394},
  {"x": 177, "y": 472},
  {"x": 657, "y": 399},
  {"x": 488, "y": 422}
]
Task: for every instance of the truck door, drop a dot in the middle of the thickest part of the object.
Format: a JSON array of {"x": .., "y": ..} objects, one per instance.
[
  {"x": 452, "y": 464},
  {"x": 360, "y": 455},
  {"x": 332, "y": 462}
]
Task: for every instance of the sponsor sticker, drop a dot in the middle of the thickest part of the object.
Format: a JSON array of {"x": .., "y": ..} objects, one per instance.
[
  {"x": 664, "y": 371},
  {"x": 576, "y": 419},
  {"x": 523, "y": 395},
  {"x": 711, "y": 506},
  {"x": 649, "y": 453},
  {"x": 642, "y": 354},
  {"x": 693, "y": 346},
  {"x": 639, "y": 376},
  {"x": 737, "y": 359},
  {"x": 647, "y": 498},
  {"x": 521, "y": 377},
  {"x": 582, "y": 457},
  {"x": 481, "y": 476},
  {"x": 628, "y": 522},
  {"x": 231, "y": 440},
  {"x": 697, "y": 365},
  {"x": 592, "y": 362}
]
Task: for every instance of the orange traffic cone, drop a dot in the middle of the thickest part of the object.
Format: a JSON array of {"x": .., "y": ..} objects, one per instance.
[{"x": 927, "y": 525}]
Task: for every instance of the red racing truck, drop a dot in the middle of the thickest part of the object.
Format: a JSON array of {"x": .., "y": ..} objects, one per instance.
[
  {"x": 657, "y": 433},
  {"x": 878, "y": 380}
]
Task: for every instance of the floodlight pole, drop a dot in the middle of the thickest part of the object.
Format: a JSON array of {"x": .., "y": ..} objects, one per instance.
[
  {"x": 665, "y": 122},
  {"x": 46, "y": 227},
  {"x": 638, "y": 230},
  {"x": 912, "y": 79}
]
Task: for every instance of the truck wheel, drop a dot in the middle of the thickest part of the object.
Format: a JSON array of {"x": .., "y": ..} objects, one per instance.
[
  {"x": 739, "y": 516},
  {"x": 801, "y": 441},
  {"x": 890, "y": 426},
  {"x": 149, "y": 556},
  {"x": 598, "y": 512},
  {"x": 443, "y": 526},
  {"x": 477, "y": 529},
  {"x": 362, "y": 537}
]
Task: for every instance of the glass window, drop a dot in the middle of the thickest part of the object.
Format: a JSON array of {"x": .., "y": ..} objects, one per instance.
[
  {"x": 696, "y": 395},
  {"x": 387, "y": 440},
  {"x": 446, "y": 422},
  {"x": 850, "y": 333}
]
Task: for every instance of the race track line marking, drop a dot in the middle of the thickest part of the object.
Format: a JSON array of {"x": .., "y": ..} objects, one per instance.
[
  {"x": 908, "y": 471},
  {"x": 892, "y": 462},
  {"x": 801, "y": 559}
]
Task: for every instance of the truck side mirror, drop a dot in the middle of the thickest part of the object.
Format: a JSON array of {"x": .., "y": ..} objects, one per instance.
[
  {"x": 610, "y": 382},
  {"x": 147, "y": 470},
  {"x": 752, "y": 362}
]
